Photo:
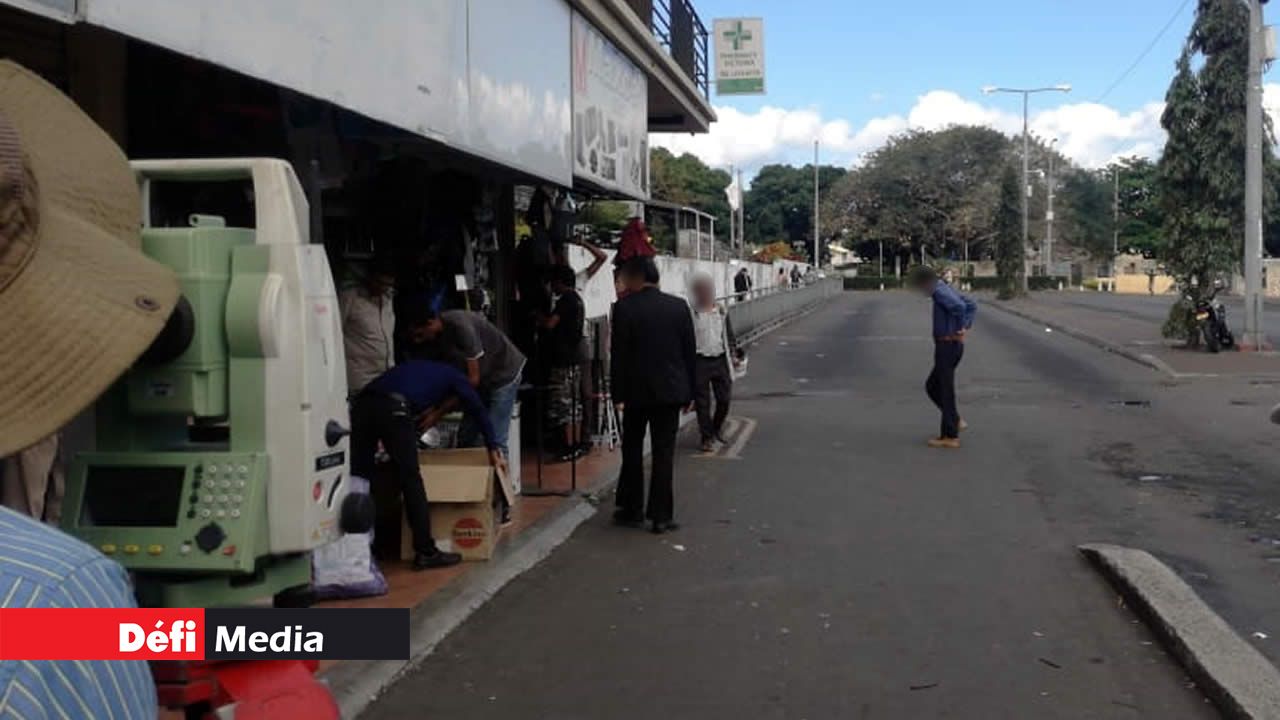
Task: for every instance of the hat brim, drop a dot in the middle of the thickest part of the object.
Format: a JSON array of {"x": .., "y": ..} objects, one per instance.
[{"x": 78, "y": 315}]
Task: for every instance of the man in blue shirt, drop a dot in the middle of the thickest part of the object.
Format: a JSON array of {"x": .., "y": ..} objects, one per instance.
[
  {"x": 395, "y": 408},
  {"x": 952, "y": 317}
]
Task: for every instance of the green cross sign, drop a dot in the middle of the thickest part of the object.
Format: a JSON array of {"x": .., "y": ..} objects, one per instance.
[{"x": 737, "y": 36}]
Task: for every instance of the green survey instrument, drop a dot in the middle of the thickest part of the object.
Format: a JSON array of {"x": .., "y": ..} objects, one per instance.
[{"x": 221, "y": 457}]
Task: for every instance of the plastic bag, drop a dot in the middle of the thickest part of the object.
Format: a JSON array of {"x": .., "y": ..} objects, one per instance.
[{"x": 345, "y": 568}]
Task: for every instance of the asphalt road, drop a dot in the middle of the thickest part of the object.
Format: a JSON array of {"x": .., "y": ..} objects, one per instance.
[{"x": 840, "y": 569}]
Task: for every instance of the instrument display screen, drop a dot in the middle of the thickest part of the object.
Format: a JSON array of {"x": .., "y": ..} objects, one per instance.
[{"x": 116, "y": 496}]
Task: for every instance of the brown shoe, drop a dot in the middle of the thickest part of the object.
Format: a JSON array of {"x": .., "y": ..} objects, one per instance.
[{"x": 945, "y": 443}]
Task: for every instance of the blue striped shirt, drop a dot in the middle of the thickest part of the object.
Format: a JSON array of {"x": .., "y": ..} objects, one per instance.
[{"x": 42, "y": 567}]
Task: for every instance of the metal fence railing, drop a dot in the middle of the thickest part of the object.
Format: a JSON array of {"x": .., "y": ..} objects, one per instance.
[
  {"x": 760, "y": 311},
  {"x": 678, "y": 28}
]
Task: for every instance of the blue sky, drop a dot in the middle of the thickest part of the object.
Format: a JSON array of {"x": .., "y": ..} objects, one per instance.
[{"x": 855, "y": 71}]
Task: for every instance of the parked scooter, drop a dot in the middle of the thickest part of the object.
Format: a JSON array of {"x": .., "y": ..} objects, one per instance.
[{"x": 1211, "y": 320}]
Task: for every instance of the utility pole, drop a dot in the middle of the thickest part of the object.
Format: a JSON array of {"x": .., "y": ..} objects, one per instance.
[
  {"x": 1254, "y": 337},
  {"x": 742, "y": 219},
  {"x": 1048, "y": 237},
  {"x": 882, "y": 259},
  {"x": 1115, "y": 221},
  {"x": 817, "y": 258}
]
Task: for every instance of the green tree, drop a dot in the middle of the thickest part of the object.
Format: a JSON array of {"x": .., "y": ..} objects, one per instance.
[
  {"x": 779, "y": 205},
  {"x": 605, "y": 217},
  {"x": 1141, "y": 212},
  {"x": 1007, "y": 221},
  {"x": 932, "y": 190},
  {"x": 687, "y": 181},
  {"x": 1200, "y": 176},
  {"x": 1087, "y": 213}
]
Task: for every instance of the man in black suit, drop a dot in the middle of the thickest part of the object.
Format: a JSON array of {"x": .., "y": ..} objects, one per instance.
[{"x": 653, "y": 360}]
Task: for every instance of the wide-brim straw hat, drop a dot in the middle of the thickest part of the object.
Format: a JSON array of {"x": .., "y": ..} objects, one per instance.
[{"x": 79, "y": 302}]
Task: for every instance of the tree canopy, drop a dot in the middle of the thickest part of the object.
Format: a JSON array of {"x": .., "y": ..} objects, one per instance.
[
  {"x": 1200, "y": 176},
  {"x": 939, "y": 191},
  {"x": 779, "y": 205}
]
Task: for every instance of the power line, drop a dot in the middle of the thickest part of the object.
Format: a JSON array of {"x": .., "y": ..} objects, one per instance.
[{"x": 1125, "y": 75}]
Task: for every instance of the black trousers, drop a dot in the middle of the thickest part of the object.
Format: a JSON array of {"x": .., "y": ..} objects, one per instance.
[
  {"x": 375, "y": 418},
  {"x": 941, "y": 384},
  {"x": 662, "y": 424},
  {"x": 713, "y": 380}
]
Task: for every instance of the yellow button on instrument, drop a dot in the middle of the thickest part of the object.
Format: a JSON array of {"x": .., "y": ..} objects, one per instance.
[
  {"x": 131, "y": 549},
  {"x": 155, "y": 549},
  {"x": 108, "y": 549}
]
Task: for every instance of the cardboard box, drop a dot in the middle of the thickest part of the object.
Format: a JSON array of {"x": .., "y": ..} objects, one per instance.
[{"x": 460, "y": 487}]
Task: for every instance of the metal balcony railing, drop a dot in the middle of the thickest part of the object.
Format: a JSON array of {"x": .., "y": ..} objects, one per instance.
[{"x": 678, "y": 28}]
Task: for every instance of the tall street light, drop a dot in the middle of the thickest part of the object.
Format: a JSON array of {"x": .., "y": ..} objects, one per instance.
[
  {"x": 1048, "y": 217},
  {"x": 1026, "y": 94}
]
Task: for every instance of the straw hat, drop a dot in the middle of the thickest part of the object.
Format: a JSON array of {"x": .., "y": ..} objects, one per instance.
[{"x": 78, "y": 301}]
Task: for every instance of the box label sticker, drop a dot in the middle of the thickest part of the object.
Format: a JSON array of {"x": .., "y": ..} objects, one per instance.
[{"x": 468, "y": 533}]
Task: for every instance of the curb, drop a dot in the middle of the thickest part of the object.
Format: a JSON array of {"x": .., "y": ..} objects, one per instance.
[
  {"x": 356, "y": 684},
  {"x": 1144, "y": 359},
  {"x": 1231, "y": 672}
]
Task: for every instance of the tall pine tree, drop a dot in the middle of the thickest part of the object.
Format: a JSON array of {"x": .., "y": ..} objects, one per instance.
[
  {"x": 1010, "y": 254},
  {"x": 1201, "y": 173}
]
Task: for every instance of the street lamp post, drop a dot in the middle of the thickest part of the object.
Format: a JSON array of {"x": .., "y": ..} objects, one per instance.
[
  {"x": 1026, "y": 94},
  {"x": 817, "y": 257},
  {"x": 1048, "y": 218}
]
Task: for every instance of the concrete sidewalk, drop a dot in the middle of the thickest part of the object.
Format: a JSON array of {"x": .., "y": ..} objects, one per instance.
[{"x": 1133, "y": 333}]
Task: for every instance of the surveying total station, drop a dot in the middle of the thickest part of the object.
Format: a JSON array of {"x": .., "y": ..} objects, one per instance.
[{"x": 222, "y": 456}]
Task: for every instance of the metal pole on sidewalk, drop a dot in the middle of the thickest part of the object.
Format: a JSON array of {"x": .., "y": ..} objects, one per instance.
[
  {"x": 1026, "y": 192},
  {"x": 1115, "y": 222},
  {"x": 731, "y": 214},
  {"x": 1254, "y": 337},
  {"x": 1048, "y": 238},
  {"x": 817, "y": 258}
]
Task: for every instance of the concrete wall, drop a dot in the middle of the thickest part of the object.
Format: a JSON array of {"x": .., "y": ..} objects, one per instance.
[{"x": 1142, "y": 284}]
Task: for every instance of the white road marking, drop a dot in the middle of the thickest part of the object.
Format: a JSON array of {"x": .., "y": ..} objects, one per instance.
[{"x": 735, "y": 451}]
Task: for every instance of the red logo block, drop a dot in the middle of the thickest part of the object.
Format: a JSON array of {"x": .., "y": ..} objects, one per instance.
[{"x": 101, "y": 634}]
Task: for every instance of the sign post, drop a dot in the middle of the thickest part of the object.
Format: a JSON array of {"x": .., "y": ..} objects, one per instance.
[{"x": 739, "y": 44}]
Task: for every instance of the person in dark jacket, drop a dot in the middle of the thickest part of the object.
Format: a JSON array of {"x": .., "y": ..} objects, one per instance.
[
  {"x": 393, "y": 409},
  {"x": 953, "y": 315},
  {"x": 742, "y": 284},
  {"x": 654, "y": 356}
]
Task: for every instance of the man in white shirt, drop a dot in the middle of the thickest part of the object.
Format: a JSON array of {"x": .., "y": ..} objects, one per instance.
[
  {"x": 717, "y": 351},
  {"x": 368, "y": 326}
]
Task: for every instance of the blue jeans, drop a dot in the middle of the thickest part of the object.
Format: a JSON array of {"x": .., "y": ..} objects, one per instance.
[{"x": 501, "y": 402}]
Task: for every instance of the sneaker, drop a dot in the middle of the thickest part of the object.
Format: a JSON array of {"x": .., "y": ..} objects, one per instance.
[
  {"x": 506, "y": 519},
  {"x": 437, "y": 559},
  {"x": 945, "y": 443}
]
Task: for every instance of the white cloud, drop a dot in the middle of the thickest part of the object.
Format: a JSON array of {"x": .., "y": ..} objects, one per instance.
[{"x": 1089, "y": 133}]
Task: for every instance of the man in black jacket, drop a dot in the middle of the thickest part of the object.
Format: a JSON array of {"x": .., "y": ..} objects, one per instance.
[{"x": 653, "y": 360}]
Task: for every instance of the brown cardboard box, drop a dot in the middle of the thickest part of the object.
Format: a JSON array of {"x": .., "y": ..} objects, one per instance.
[{"x": 460, "y": 488}]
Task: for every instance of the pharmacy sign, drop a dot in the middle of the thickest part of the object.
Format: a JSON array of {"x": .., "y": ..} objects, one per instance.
[{"x": 739, "y": 44}]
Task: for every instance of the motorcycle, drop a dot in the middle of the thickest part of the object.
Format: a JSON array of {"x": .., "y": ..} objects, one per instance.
[{"x": 1211, "y": 320}]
